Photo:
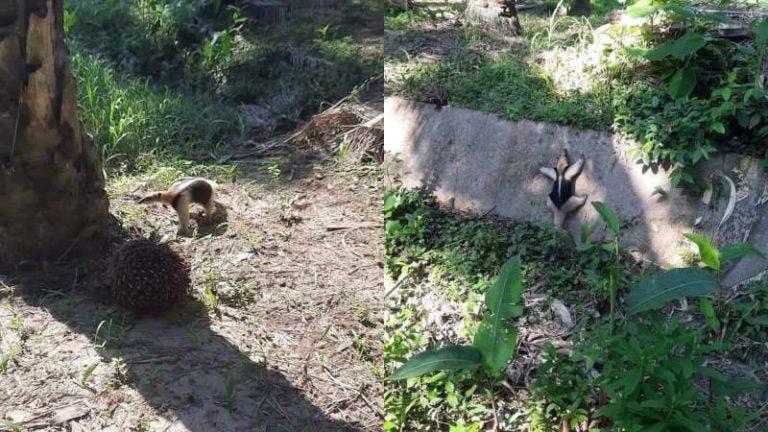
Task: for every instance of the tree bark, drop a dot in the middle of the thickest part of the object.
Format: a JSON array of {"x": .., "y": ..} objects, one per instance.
[
  {"x": 579, "y": 8},
  {"x": 51, "y": 185},
  {"x": 497, "y": 16}
]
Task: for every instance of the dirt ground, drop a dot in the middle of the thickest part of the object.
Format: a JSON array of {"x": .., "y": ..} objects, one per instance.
[{"x": 288, "y": 342}]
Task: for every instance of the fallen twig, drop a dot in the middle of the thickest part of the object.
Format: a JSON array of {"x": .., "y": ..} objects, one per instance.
[{"x": 354, "y": 226}]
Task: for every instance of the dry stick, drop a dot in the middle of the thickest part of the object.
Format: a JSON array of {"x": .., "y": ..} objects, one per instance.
[
  {"x": 495, "y": 413},
  {"x": 354, "y": 226},
  {"x": 18, "y": 117},
  {"x": 397, "y": 284},
  {"x": 378, "y": 410}
]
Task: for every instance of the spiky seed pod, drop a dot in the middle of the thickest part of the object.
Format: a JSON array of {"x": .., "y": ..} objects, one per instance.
[{"x": 148, "y": 276}]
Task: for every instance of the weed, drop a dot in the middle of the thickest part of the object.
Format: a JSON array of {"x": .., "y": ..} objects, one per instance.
[
  {"x": 6, "y": 358},
  {"x": 88, "y": 372},
  {"x": 562, "y": 390},
  {"x": 120, "y": 374},
  {"x": 399, "y": 17},
  {"x": 240, "y": 295},
  {"x": 230, "y": 387},
  {"x": 110, "y": 334},
  {"x": 365, "y": 316},
  {"x": 16, "y": 322},
  {"x": 747, "y": 316},
  {"x": 284, "y": 234},
  {"x": 211, "y": 280},
  {"x": 10, "y": 426},
  {"x": 454, "y": 255},
  {"x": 274, "y": 171}
]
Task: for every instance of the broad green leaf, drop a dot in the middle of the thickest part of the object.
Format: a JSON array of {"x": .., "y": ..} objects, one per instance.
[
  {"x": 707, "y": 251},
  {"x": 633, "y": 379},
  {"x": 632, "y": 51},
  {"x": 682, "y": 83},
  {"x": 761, "y": 33},
  {"x": 655, "y": 292},
  {"x": 495, "y": 338},
  {"x": 497, "y": 345},
  {"x": 738, "y": 250},
  {"x": 506, "y": 291},
  {"x": 683, "y": 11},
  {"x": 654, "y": 403},
  {"x": 450, "y": 358},
  {"x": 687, "y": 423},
  {"x": 718, "y": 127},
  {"x": 678, "y": 48},
  {"x": 609, "y": 217},
  {"x": 658, "y": 427},
  {"x": 642, "y": 8},
  {"x": 709, "y": 314},
  {"x": 666, "y": 376}
]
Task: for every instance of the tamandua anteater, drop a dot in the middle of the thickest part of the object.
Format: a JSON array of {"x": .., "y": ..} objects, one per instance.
[
  {"x": 184, "y": 192},
  {"x": 563, "y": 199}
]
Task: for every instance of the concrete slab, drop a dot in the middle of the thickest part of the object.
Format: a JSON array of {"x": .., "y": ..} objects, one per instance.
[{"x": 478, "y": 161}]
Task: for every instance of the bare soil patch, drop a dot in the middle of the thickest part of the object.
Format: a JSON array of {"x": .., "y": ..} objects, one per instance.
[{"x": 291, "y": 345}]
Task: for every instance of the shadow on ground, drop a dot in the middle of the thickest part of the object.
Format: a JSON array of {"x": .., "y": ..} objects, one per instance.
[{"x": 194, "y": 377}]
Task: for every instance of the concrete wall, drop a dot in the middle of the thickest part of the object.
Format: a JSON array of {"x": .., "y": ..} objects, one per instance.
[{"x": 477, "y": 161}]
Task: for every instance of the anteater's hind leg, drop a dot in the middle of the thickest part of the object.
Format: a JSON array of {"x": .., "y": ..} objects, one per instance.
[{"x": 210, "y": 207}]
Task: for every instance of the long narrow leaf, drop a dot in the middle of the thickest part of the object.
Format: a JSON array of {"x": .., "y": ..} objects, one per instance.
[
  {"x": 655, "y": 292},
  {"x": 678, "y": 48},
  {"x": 497, "y": 345},
  {"x": 495, "y": 338},
  {"x": 506, "y": 291},
  {"x": 738, "y": 250},
  {"x": 609, "y": 217},
  {"x": 709, "y": 314},
  {"x": 707, "y": 251},
  {"x": 761, "y": 33},
  {"x": 450, "y": 358},
  {"x": 682, "y": 83}
]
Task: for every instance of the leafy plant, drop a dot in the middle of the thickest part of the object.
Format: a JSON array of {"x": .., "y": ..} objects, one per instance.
[
  {"x": 656, "y": 291},
  {"x": 88, "y": 372},
  {"x": 714, "y": 93},
  {"x": 562, "y": 390},
  {"x": 712, "y": 257},
  {"x": 494, "y": 342},
  {"x": 647, "y": 375},
  {"x": 613, "y": 270},
  {"x": 747, "y": 316}
]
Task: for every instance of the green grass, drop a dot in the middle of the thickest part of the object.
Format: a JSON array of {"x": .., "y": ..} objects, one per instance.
[
  {"x": 130, "y": 116},
  {"x": 453, "y": 258},
  {"x": 508, "y": 82},
  {"x": 293, "y": 66},
  {"x": 505, "y": 87},
  {"x": 160, "y": 82},
  {"x": 398, "y": 18}
]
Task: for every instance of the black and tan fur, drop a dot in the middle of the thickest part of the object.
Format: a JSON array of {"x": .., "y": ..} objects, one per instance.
[
  {"x": 563, "y": 199},
  {"x": 184, "y": 192}
]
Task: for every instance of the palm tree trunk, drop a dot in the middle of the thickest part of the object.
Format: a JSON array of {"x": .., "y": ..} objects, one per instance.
[{"x": 51, "y": 185}]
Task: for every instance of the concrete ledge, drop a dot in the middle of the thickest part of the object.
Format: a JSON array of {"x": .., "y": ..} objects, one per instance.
[{"x": 478, "y": 161}]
